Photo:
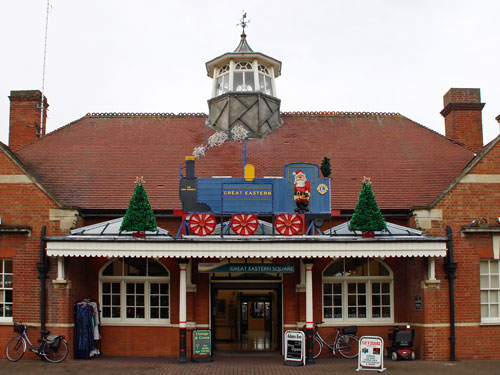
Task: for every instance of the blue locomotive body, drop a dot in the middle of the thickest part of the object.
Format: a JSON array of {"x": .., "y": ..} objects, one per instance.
[{"x": 261, "y": 196}]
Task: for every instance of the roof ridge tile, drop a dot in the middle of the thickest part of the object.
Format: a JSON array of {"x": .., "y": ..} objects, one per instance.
[
  {"x": 339, "y": 114},
  {"x": 145, "y": 114}
]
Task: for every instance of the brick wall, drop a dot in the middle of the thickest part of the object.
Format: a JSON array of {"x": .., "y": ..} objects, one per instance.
[
  {"x": 463, "y": 204},
  {"x": 24, "y": 204}
]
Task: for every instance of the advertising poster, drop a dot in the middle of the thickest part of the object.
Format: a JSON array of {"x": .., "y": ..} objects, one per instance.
[
  {"x": 371, "y": 353},
  {"x": 295, "y": 347}
]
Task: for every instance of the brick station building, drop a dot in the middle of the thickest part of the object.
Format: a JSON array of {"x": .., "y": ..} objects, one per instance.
[{"x": 76, "y": 182}]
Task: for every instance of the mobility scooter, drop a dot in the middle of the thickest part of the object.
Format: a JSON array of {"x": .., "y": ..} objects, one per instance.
[{"x": 401, "y": 343}]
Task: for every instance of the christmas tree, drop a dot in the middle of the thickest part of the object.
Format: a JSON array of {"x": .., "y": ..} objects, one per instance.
[
  {"x": 139, "y": 216},
  {"x": 325, "y": 167},
  {"x": 367, "y": 216}
]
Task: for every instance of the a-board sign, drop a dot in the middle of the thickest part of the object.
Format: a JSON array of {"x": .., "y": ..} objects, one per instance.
[
  {"x": 371, "y": 353},
  {"x": 202, "y": 343},
  {"x": 295, "y": 348}
]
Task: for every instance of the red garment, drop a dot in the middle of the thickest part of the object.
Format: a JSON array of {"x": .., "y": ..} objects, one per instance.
[{"x": 303, "y": 193}]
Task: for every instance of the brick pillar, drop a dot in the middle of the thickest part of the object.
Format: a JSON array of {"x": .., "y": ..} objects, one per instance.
[
  {"x": 25, "y": 117},
  {"x": 462, "y": 117}
]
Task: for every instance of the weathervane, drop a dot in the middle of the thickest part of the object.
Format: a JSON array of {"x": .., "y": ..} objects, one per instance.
[{"x": 243, "y": 22}]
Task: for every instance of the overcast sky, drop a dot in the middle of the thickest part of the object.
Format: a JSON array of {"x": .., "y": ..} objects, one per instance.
[{"x": 149, "y": 56}]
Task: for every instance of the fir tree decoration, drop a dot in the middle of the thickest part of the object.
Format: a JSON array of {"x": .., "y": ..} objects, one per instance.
[
  {"x": 139, "y": 216},
  {"x": 326, "y": 168},
  {"x": 367, "y": 216}
]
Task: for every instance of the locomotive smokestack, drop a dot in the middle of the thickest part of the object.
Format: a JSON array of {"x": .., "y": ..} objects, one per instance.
[{"x": 190, "y": 166}]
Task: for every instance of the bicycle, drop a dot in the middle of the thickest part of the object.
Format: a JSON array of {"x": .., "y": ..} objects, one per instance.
[
  {"x": 346, "y": 342},
  {"x": 53, "y": 348}
]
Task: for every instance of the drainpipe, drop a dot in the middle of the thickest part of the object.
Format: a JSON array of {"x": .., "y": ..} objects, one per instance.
[
  {"x": 451, "y": 268},
  {"x": 43, "y": 269}
]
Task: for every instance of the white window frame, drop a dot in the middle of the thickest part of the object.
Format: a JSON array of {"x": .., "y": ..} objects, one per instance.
[
  {"x": 488, "y": 290},
  {"x": 3, "y": 289},
  {"x": 368, "y": 280},
  {"x": 123, "y": 280},
  {"x": 261, "y": 75},
  {"x": 249, "y": 68},
  {"x": 222, "y": 74}
]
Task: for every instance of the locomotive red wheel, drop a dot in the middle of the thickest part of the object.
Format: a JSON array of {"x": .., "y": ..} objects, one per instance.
[
  {"x": 244, "y": 224},
  {"x": 288, "y": 224},
  {"x": 202, "y": 224}
]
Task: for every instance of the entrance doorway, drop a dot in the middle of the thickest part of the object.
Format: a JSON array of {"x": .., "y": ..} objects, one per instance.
[{"x": 246, "y": 317}]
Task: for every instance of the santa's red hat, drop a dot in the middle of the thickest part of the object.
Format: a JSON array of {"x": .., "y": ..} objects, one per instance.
[{"x": 298, "y": 172}]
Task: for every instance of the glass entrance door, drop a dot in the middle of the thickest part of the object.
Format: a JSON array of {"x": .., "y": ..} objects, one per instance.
[{"x": 246, "y": 319}]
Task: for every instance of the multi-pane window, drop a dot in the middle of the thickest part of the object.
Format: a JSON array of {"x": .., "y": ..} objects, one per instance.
[
  {"x": 356, "y": 300},
  {"x": 490, "y": 290},
  {"x": 357, "y": 289},
  {"x": 159, "y": 300},
  {"x": 111, "y": 300},
  {"x": 381, "y": 300},
  {"x": 265, "y": 84},
  {"x": 222, "y": 81},
  {"x": 244, "y": 77},
  {"x": 332, "y": 300},
  {"x": 5, "y": 289},
  {"x": 135, "y": 290}
]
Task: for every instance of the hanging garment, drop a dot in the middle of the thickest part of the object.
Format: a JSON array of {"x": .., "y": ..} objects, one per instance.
[
  {"x": 95, "y": 320},
  {"x": 84, "y": 331}
]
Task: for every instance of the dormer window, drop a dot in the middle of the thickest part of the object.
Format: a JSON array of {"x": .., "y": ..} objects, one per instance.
[
  {"x": 244, "y": 79},
  {"x": 222, "y": 81},
  {"x": 265, "y": 84}
]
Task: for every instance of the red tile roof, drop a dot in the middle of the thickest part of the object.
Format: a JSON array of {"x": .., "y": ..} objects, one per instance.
[{"x": 92, "y": 163}]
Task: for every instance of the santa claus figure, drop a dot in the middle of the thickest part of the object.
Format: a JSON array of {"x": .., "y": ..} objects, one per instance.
[{"x": 301, "y": 191}]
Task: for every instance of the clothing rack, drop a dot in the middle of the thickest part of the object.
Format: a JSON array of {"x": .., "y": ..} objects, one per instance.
[{"x": 87, "y": 338}]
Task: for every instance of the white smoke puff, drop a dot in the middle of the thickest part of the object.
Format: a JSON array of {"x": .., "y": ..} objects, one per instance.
[
  {"x": 217, "y": 139},
  {"x": 239, "y": 133},
  {"x": 199, "y": 151}
]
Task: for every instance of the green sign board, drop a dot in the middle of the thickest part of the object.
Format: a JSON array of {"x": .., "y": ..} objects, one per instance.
[
  {"x": 247, "y": 267},
  {"x": 202, "y": 342}
]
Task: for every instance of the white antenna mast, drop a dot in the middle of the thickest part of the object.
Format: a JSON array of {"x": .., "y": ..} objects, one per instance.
[{"x": 43, "y": 73}]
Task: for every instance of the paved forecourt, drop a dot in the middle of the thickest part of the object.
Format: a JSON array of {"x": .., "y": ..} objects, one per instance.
[{"x": 238, "y": 364}]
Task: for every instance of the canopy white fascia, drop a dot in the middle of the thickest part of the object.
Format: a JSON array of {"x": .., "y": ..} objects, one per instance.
[{"x": 310, "y": 247}]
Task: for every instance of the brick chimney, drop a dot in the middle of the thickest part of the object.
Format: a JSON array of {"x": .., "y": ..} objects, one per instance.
[
  {"x": 25, "y": 117},
  {"x": 462, "y": 117}
]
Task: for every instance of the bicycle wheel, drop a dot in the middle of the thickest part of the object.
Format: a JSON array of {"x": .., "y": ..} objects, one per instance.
[
  {"x": 56, "y": 355},
  {"x": 317, "y": 347},
  {"x": 15, "y": 348},
  {"x": 348, "y": 346}
]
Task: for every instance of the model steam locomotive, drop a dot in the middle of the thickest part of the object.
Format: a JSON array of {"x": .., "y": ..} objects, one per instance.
[{"x": 298, "y": 199}]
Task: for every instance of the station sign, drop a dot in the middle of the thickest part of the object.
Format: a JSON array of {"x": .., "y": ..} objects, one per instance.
[{"x": 247, "y": 267}]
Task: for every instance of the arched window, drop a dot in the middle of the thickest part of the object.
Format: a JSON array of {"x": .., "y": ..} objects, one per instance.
[
  {"x": 222, "y": 81},
  {"x": 244, "y": 76},
  {"x": 265, "y": 84},
  {"x": 134, "y": 290},
  {"x": 358, "y": 289}
]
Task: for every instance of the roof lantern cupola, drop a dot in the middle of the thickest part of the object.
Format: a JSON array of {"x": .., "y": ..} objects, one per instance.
[{"x": 244, "y": 90}]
